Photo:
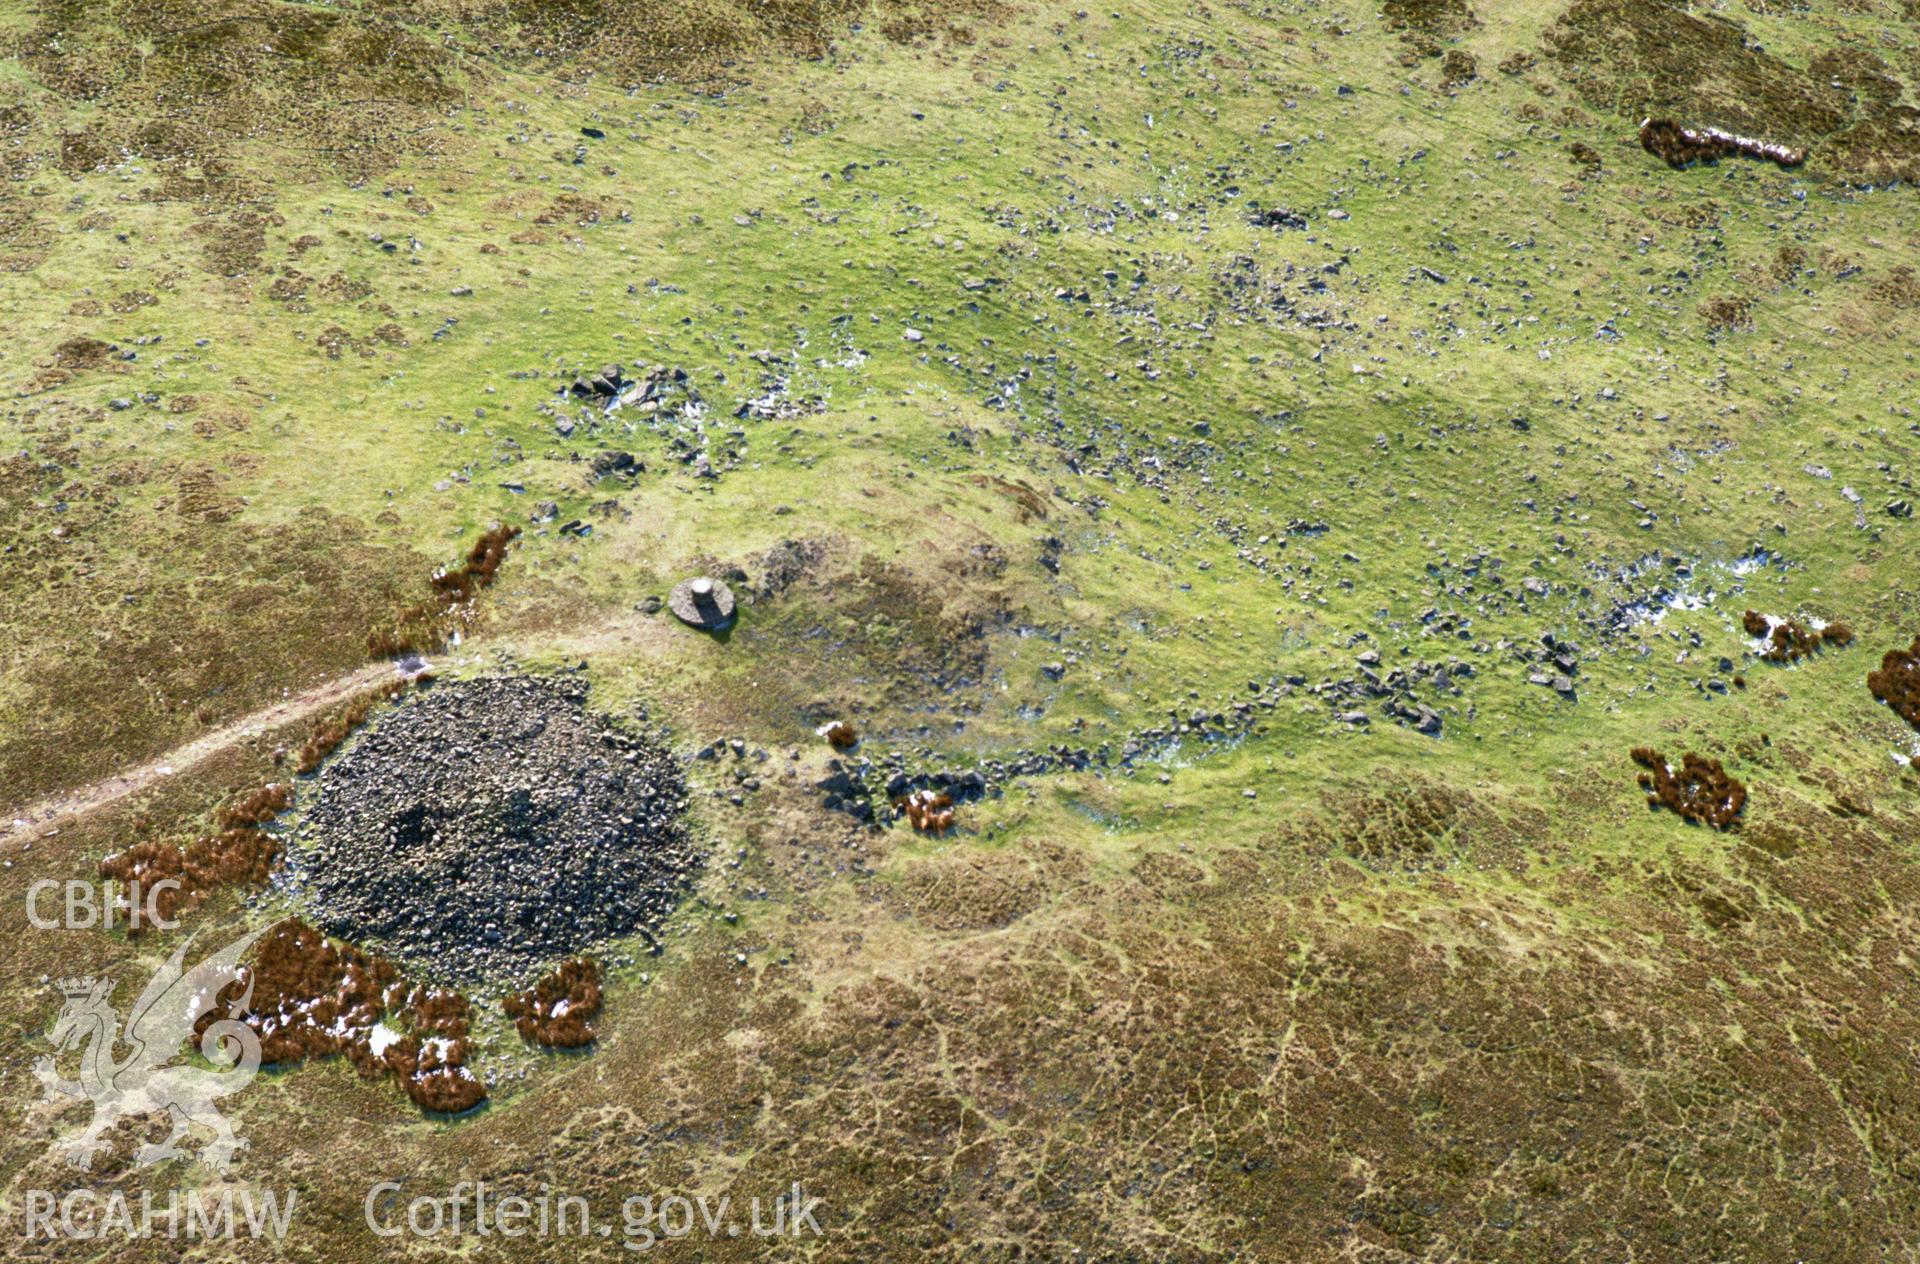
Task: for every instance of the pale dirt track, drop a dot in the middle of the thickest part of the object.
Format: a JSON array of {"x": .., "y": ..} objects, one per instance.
[{"x": 19, "y": 824}]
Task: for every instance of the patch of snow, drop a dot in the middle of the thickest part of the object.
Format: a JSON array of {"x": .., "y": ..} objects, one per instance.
[{"x": 379, "y": 1038}]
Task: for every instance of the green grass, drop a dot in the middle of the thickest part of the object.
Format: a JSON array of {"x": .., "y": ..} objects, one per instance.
[{"x": 1536, "y": 384}]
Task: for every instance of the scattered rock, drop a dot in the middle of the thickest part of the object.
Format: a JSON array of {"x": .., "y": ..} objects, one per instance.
[
  {"x": 612, "y": 462},
  {"x": 1277, "y": 217},
  {"x": 606, "y": 385}
]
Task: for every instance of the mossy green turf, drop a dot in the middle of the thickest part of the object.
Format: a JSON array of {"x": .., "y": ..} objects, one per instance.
[{"x": 1475, "y": 345}]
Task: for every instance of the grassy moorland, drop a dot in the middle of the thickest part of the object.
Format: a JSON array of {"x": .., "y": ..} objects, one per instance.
[{"x": 1247, "y": 388}]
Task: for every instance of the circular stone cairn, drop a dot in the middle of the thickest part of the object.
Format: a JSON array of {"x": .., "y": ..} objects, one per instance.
[
  {"x": 702, "y": 603},
  {"x": 490, "y": 827}
]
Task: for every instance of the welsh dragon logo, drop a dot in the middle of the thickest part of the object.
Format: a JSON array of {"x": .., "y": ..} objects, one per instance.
[{"x": 143, "y": 1083}]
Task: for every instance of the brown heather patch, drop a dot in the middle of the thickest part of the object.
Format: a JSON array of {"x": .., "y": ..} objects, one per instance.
[
  {"x": 331, "y": 730},
  {"x": 1790, "y": 640},
  {"x": 68, "y": 361},
  {"x": 1899, "y": 289},
  {"x": 335, "y": 341},
  {"x": 1881, "y": 148},
  {"x": 1860, "y": 72},
  {"x": 290, "y": 287},
  {"x": 188, "y": 84},
  {"x": 157, "y": 655},
  {"x": 425, "y": 626},
  {"x": 964, "y": 889},
  {"x": 1897, "y": 683},
  {"x": 1167, "y": 875},
  {"x": 198, "y": 495},
  {"x": 218, "y": 420},
  {"x": 1727, "y": 313},
  {"x": 1407, "y": 824},
  {"x": 574, "y": 209},
  {"x": 1838, "y": 263},
  {"x": 915, "y": 22},
  {"x": 235, "y": 244},
  {"x": 1425, "y": 21},
  {"x": 1642, "y": 57},
  {"x": 241, "y": 854},
  {"x": 313, "y": 998},
  {"x": 1029, "y": 504},
  {"x": 632, "y": 42},
  {"x": 1705, "y": 213},
  {"x": 1458, "y": 68},
  {"x": 1701, "y": 791},
  {"x": 340, "y": 288},
  {"x": 560, "y": 1009}
]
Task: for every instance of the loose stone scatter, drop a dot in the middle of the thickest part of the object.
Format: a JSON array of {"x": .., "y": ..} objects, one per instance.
[
  {"x": 702, "y": 603},
  {"x": 493, "y": 826}
]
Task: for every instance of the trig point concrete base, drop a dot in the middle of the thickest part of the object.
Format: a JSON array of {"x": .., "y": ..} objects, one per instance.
[{"x": 702, "y": 603}]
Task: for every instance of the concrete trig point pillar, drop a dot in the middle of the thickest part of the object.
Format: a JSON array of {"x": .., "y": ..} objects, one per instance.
[{"x": 703, "y": 603}]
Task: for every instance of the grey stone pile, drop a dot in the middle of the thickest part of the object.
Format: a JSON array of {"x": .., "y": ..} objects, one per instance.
[{"x": 490, "y": 827}]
